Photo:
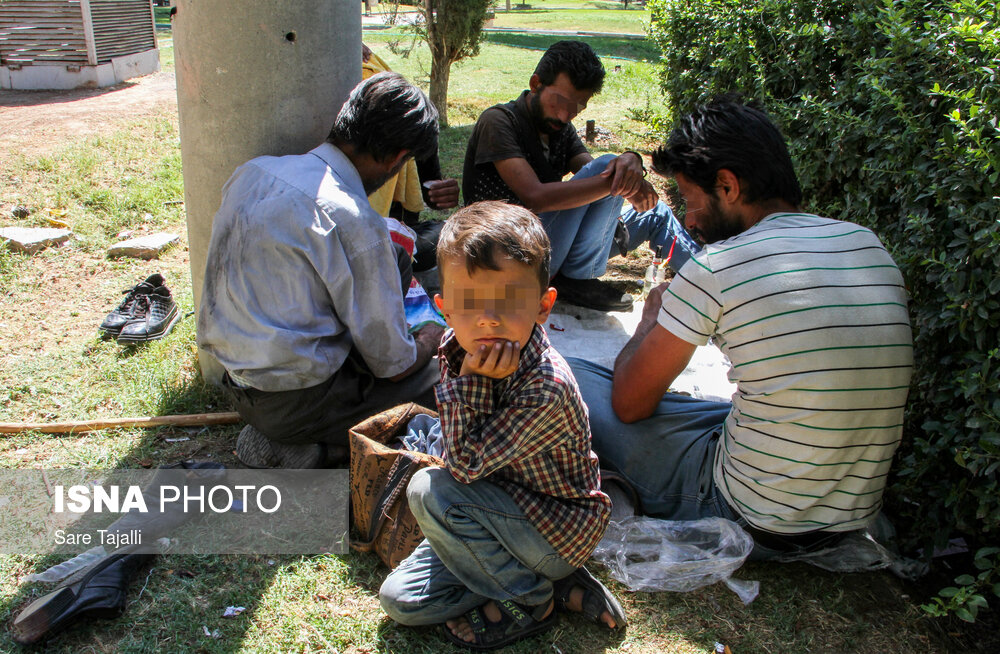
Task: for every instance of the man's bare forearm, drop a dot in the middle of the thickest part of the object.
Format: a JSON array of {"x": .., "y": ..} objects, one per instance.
[
  {"x": 650, "y": 311},
  {"x": 643, "y": 328},
  {"x": 556, "y": 196},
  {"x": 648, "y": 364}
]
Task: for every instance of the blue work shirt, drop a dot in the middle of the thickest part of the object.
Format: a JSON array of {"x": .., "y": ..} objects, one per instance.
[{"x": 300, "y": 269}]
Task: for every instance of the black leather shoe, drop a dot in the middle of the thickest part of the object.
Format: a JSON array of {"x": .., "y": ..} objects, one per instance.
[
  {"x": 592, "y": 294},
  {"x": 153, "y": 316},
  {"x": 113, "y": 323},
  {"x": 99, "y": 593}
]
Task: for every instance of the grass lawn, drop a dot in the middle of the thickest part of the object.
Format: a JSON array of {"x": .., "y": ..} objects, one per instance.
[
  {"x": 582, "y": 15},
  {"x": 165, "y": 43},
  {"x": 54, "y": 367},
  {"x": 630, "y": 87}
]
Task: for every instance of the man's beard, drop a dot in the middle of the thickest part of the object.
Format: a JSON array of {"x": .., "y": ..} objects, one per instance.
[
  {"x": 544, "y": 125},
  {"x": 372, "y": 185},
  {"x": 716, "y": 225}
]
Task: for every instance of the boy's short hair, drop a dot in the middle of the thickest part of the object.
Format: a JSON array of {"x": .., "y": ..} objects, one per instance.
[
  {"x": 575, "y": 58},
  {"x": 478, "y": 233}
]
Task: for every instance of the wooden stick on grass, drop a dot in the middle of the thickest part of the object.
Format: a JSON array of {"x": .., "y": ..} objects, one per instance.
[{"x": 84, "y": 426}]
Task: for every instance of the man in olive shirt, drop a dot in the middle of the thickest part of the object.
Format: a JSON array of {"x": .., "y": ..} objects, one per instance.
[{"x": 520, "y": 151}]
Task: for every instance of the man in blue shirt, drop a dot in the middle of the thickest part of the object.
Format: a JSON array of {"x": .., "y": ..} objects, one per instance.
[{"x": 303, "y": 295}]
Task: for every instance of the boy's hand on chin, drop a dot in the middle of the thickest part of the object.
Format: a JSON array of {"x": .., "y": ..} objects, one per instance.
[{"x": 498, "y": 361}]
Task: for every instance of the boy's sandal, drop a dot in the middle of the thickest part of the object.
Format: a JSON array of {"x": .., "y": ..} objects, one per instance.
[
  {"x": 516, "y": 623},
  {"x": 596, "y": 597}
]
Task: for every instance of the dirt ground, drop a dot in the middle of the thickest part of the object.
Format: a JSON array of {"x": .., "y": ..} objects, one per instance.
[{"x": 36, "y": 122}]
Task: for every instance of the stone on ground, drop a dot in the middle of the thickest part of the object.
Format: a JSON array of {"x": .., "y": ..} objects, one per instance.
[
  {"x": 33, "y": 239},
  {"x": 143, "y": 247}
]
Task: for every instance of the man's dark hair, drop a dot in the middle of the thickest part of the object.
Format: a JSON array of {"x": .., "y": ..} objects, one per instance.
[
  {"x": 577, "y": 60},
  {"x": 385, "y": 114},
  {"x": 738, "y": 137},
  {"x": 480, "y": 232}
]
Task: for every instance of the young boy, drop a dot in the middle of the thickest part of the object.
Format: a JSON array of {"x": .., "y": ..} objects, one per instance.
[{"x": 517, "y": 508}]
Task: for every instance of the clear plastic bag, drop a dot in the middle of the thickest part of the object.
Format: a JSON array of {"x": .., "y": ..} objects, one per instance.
[
  {"x": 648, "y": 554},
  {"x": 862, "y": 551}
]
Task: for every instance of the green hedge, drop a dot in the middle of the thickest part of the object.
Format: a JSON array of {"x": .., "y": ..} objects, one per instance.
[{"x": 890, "y": 109}]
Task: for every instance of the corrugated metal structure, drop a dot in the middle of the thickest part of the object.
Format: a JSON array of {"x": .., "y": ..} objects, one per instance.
[{"x": 59, "y": 44}]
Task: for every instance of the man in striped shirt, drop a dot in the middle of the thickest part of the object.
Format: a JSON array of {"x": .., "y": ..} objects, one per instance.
[{"x": 811, "y": 313}]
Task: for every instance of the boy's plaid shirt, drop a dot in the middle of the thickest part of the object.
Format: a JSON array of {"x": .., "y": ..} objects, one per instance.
[{"x": 529, "y": 434}]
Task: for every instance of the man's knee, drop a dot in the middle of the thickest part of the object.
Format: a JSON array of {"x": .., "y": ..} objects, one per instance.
[
  {"x": 603, "y": 160},
  {"x": 388, "y": 597},
  {"x": 398, "y": 606},
  {"x": 595, "y": 167},
  {"x": 419, "y": 492}
]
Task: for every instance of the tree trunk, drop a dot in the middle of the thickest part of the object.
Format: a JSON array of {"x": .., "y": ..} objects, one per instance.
[{"x": 440, "y": 72}]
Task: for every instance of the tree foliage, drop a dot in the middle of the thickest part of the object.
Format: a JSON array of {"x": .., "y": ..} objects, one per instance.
[
  {"x": 452, "y": 29},
  {"x": 890, "y": 108}
]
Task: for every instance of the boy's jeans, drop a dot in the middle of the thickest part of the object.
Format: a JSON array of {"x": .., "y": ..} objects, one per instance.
[
  {"x": 478, "y": 545},
  {"x": 582, "y": 237}
]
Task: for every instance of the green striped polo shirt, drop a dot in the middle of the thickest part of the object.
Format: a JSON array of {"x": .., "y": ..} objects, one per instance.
[{"x": 811, "y": 313}]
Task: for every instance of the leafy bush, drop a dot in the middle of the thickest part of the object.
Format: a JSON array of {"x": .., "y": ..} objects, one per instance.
[{"x": 890, "y": 108}]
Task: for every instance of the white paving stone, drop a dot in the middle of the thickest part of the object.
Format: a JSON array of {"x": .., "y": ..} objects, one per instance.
[
  {"x": 33, "y": 239},
  {"x": 143, "y": 247}
]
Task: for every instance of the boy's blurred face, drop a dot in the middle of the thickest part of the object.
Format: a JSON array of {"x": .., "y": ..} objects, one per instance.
[{"x": 488, "y": 307}]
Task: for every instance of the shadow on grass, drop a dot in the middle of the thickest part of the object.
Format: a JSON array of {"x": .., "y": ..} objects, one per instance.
[
  {"x": 640, "y": 50},
  {"x": 192, "y": 396},
  {"x": 17, "y": 98},
  {"x": 613, "y": 5},
  {"x": 170, "y": 602},
  {"x": 541, "y": 9},
  {"x": 170, "y": 599}
]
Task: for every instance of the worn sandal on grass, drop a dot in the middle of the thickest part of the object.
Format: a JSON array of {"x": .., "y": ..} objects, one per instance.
[
  {"x": 596, "y": 597},
  {"x": 516, "y": 623}
]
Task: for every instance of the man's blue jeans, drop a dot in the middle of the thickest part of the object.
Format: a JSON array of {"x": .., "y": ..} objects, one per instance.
[
  {"x": 668, "y": 458},
  {"x": 582, "y": 237},
  {"x": 478, "y": 545}
]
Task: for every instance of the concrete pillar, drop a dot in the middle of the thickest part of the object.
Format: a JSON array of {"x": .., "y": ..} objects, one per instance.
[{"x": 254, "y": 78}]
